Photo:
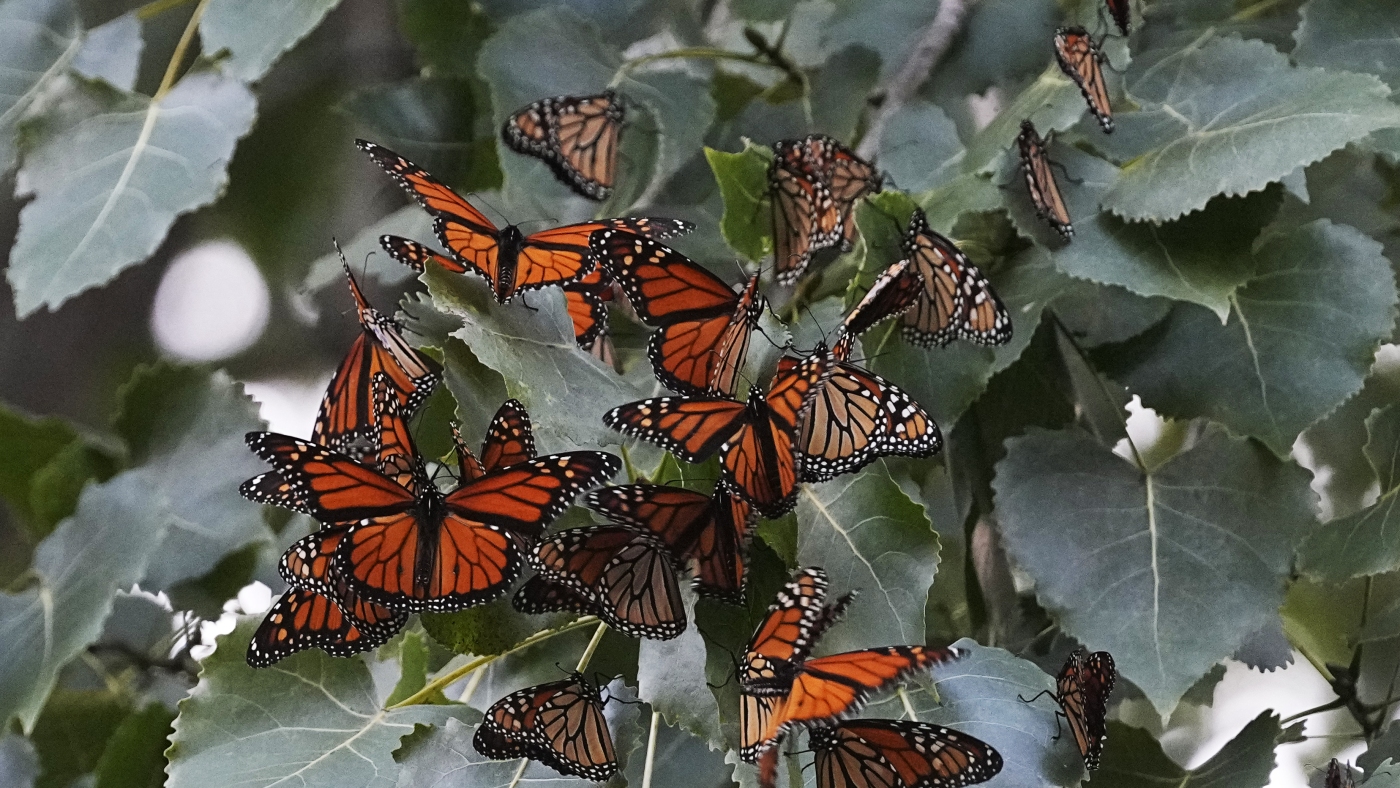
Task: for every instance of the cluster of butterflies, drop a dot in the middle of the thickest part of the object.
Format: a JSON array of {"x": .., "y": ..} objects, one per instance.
[{"x": 394, "y": 542}]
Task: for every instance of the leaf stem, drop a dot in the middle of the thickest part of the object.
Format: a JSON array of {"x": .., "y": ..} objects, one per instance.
[
  {"x": 514, "y": 781},
  {"x": 592, "y": 647},
  {"x": 173, "y": 67},
  {"x": 651, "y": 749},
  {"x": 908, "y": 706},
  {"x": 443, "y": 681}
]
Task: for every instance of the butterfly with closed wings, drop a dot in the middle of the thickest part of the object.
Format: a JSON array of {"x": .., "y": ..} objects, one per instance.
[
  {"x": 575, "y": 135},
  {"x": 1040, "y": 181},
  {"x": 559, "y": 724},
  {"x": 899, "y": 754},
  {"x": 623, "y": 575},
  {"x": 1079, "y": 57},
  {"x": 1082, "y": 690},
  {"x": 815, "y": 183},
  {"x": 709, "y": 533}
]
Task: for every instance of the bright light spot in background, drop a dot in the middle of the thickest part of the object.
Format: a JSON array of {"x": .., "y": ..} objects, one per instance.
[
  {"x": 252, "y": 600},
  {"x": 288, "y": 406},
  {"x": 212, "y": 303}
]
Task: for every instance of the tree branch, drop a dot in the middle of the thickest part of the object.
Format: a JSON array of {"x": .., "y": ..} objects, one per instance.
[{"x": 929, "y": 49}]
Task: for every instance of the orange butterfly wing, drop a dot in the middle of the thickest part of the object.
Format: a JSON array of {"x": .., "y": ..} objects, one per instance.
[
  {"x": 416, "y": 255},
  {"x": 335, "y": 488},
  {"x": 828, "y": 687},
  {"x": 302, "y": 618},
  {"x": 575, "y": 136},
  {"x": 509, "y": 439},
  {"x": 900, "y": 753},
  {"x": 694, "y": 428},
  {"x": 1081, "y": 61}
]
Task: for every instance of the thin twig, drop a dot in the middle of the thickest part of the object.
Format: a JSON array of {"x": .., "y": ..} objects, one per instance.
[
  {"x": 927, "y": 51},
  {"x": 908, "y": 707},
  {"x": 172, "y": 69}
]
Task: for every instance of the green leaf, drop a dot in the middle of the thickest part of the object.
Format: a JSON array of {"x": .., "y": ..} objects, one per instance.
[
  {"x": 135, "y": 755},
  {"x": 1381, "y": 749},
  {"x": 839, "y": 91},
  {"x": 103, "y": 548},
  {"x": 1133, "y": 758},
  {"x": 445, "y": 758},
  {"x": 481, "y": 631},
  {"x": 945, "y": 381},
  {"x": 550, "y": 52},
  {"x": 446, "y": 33},
  {"x": 870, "y": 536},
  {"x": 255, "y": 33},
  {"x": 679, "y": 759},
  {"x": 762, "y": 10},
  {"x": 38, "y": 38},
  {"x": 1103, "y": 315},
  {"x": 112, "y": 52},
  {"x": 919, "y": 147},
  {"x": 110, "y": 174},
  {"x": 980, "y": 695},
  {"x": 565, "y": 390},
  {"x": 1052, "y": 102},
  {"x": 1284, "y": 359},
  {"x": 743, "y": 183},
  {"x": 442, "y": 124},
  {"x": 890, "y": 27},
  {"x": 1202, "y": 258},
  {"x": 1256, "y": 122},
  {"x": 185, "y": 429},
  {"x": 73, "y": 731},
  {"x": 313, "y": 719},
  {"x": 1367, "y": 542},
  {"x": 1168, "y": 570},
  {"x": 413, "y": 668},
  {"x": 19, "y": 764},
  {"x": 671, "y": 677},
  {"x": 30, "y": 448},
  {"x": 54, "y": 490},
  {"x": 1350, "y": 35}
]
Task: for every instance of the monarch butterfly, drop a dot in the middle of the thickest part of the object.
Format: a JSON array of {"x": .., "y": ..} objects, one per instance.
[
  {"x": 893, "y": 292},
  {"x": 1040, "y": 181},
  {"x": 1120, "y": 12},
  {"x": 411, "y": 547},
  {"x": 346, "y": 419},
  {"x": 626, "y": 573},
  {"x": 509, "y": 440},
  {"x": 1080, "y": 59},
  {"x": 705, "y": 327},
  {"x": 780, "y": 688},
  {"x": 1082, "y": 690},
  {"x": 509, "y": 260},
  {"x": 585, "y": 299},
  {"x": 957, "y": 300},
  {"x": 1338, "y": 775},
  {"x": 815, "y": 182},
  {"x": 559, "y": 724},
  {"x": 575, "y": 135},
  {"x": 320, "y": 610},
  {"x": 794, "y": 622},
  {"x": 711, "y": 533},
  {"x": 858, "y": 417},
  {"x": 900, "y": 754},
  {"x": 756, "y": 441}
]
